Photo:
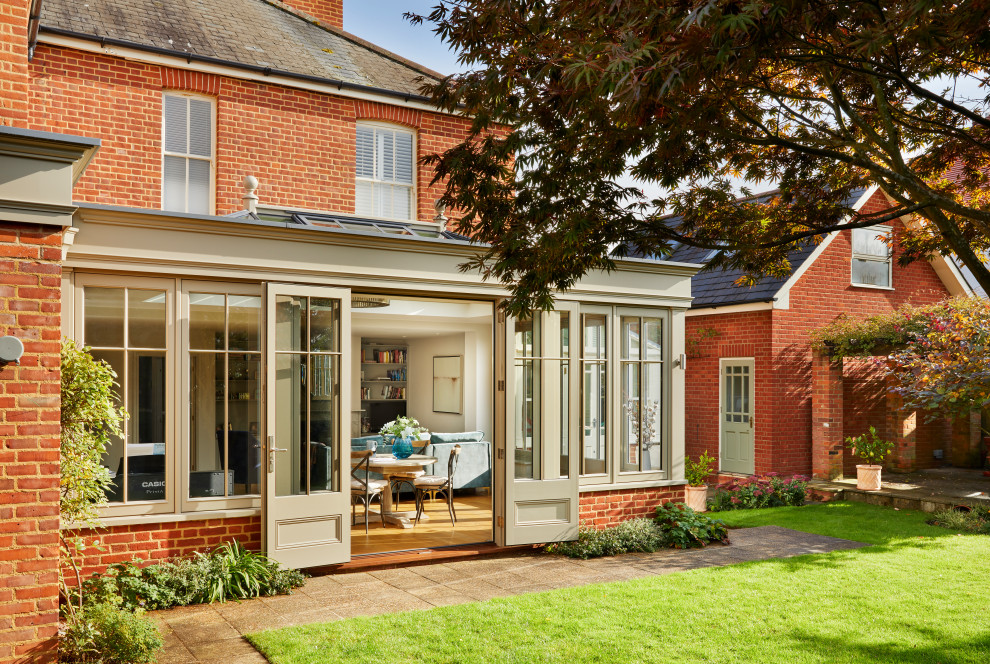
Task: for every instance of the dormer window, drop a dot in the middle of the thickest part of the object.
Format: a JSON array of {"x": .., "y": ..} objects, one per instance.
[
  {"x": 384, "y": 185},
  {"x": 871, "y": 264},
  {"x": 187, "y": 156}
]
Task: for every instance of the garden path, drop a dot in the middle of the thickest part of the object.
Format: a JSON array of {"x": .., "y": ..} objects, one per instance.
[{"x": 212, "y": 633}]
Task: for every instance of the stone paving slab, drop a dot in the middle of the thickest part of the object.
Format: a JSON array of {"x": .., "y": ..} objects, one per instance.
[{"x": 212, "y": 633}]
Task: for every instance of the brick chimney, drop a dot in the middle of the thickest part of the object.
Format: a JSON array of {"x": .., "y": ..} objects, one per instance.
[
  {"x": 327, "y": 12},
  {"x": 14, "y": 62}
]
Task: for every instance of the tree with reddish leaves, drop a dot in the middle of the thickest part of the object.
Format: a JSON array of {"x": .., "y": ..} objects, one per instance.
[{"x": 822, "y": 99}]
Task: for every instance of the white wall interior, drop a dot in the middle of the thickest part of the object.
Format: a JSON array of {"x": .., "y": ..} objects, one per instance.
[{"x": 433, "y": 328}]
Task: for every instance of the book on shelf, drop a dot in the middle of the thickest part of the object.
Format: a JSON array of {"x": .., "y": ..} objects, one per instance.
[
  {"x": 385, "y": 392},
  {"x": 390, "y": 356}
]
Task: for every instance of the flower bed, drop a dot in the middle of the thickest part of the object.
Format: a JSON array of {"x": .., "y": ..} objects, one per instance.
[{"x": 771, "y": 490}]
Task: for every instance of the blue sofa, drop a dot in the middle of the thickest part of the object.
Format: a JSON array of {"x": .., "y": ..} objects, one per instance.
[{"x": 474, "y": 468}]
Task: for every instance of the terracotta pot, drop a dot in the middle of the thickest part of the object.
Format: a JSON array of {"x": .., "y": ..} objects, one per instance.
[
  {"x": 695, "y": 497},
  {"x": 868, "y": 477}
]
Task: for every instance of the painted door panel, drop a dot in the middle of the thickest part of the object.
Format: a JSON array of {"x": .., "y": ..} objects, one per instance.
[
  {"x": 307, "y": 478},
  {"x": 736, "y": 417}
]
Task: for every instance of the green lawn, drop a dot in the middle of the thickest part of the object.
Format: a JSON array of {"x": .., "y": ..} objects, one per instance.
[{"x": 919, "y": 595}]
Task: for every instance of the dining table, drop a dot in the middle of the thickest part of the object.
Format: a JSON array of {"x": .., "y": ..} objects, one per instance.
[{"x": 387, "y": 465}]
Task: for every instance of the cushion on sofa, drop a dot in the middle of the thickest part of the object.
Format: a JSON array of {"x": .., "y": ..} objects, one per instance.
[{"x": 461, "y": 437}]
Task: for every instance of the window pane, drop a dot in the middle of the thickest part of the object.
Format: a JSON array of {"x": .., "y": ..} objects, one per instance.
[
  {"x": 653, "y": 342},
  {"x": 206, "y": 321},
  {"x": 594, "y": 337},
  {"x": 560, "y": 374},
  {"x": 113, "y": 458},
  {"x": 527, "y": 414},
  {"x": 526, "y": 337},
  {"x": 872, "y": 273},
  {"x": 290, "y": 424},
  {"x": 174, "y": 184},
  {"x": 653, "y": 417},
  {"x": 403, "y": 158},
  {"x": 323, "y": 428},
  {"x": 200, "y": 128},
  {"x": 290, "y": 323},
  {"x": 386, "y": 155},
  {"x": 174, "y": 116},
  {"x": 104, "y": 317},
  {"x": 630, "y": 417},
  {"x": 245, "y": 322},
  {"x": 206, "y": 424},
  {"x": 563, "y": 323},
  {"x": 146, "y": 426},
  {"x": 401, "y": 202},
  {"x": 199, "y": 187},
  {"x": 365, "y": 153},
  {"x": 146, "y": 318},
  {"x": 594, "y": 418},
  {"x": 630, "y": 338},
  {"x": 324, "y": 318},
  {"x": 870, "y": 242},
  {"x": 364, "y": 199},
  {"x": 243, "y": 422}
]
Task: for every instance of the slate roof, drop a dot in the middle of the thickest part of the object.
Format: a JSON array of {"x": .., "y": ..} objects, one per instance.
[
  {"x": 257, "y": 33},
  {"x": 717, "y": 288}
]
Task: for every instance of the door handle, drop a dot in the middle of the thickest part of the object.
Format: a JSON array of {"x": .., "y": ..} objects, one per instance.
[
  {"x": 271, "y": 453},
  {"x": 752, "y": 421}
]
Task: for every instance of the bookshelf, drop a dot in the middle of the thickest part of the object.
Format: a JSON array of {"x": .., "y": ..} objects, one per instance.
[{"x": 384, "y": 381}]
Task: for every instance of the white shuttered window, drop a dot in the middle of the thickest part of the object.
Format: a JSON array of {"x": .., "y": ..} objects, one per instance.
[
  {"x": 187, "y": 159},
  {"x": 384, "y": 172}
]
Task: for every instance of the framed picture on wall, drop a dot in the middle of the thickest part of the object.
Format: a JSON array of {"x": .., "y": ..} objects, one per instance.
[{"x": 447, "y": 383}]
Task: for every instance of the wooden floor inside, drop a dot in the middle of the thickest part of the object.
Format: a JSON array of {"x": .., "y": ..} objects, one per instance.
[{"x": 474, "y": 525}]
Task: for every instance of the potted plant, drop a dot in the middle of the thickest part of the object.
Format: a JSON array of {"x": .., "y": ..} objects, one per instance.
[
  {"x": 872, "y": 449},
  {"x": 403, "y": 431},
  {"x": 696, "y": 472}
]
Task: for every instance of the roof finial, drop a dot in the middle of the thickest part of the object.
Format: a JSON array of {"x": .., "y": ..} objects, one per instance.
[
  {"x": 250, "y": 199},
  {"x": 441, "y": 218}
]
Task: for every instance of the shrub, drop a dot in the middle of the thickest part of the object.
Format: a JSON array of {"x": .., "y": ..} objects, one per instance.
[
  {"x": 228, "y": 572},
  {"x": 976, "y": 520},
  {"x": 683, "y": 528},
  {"x": 696, "y": 472},
  {"x": 629, "y": 536},
  {"x": 869, "y": 447},
  {"x": 762, "y": 491},
  {"x": 107, "y": 633}
]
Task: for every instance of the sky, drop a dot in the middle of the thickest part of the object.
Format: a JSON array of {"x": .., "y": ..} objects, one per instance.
[{"x": 381, "y": 23}]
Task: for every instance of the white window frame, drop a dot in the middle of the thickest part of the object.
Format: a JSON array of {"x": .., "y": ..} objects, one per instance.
[
  {"x": 212, "y": 207},
  {"x": 614, "y": 477},
  {"x": 414, "y": 194},
  {"x": 82, "y": 280},
  {"x": 876, "y": 230}
]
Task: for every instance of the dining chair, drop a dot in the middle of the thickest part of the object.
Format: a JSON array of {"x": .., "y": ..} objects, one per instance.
[
  {"x": 365, "y": 489},
  {"x": 397, "y": 479},
  {"x": 438, "y": 484}
]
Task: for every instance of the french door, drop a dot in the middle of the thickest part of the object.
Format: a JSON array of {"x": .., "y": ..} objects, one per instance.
[
  {"x": 306, "y": 509},
  {"x": 542, "y": 425}
]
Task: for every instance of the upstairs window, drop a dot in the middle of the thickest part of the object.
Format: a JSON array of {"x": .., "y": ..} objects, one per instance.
[
  {"x": 871, "y": 256},
  {"x": 187, "y": 159},
  {"x": 384, "y": 172}
]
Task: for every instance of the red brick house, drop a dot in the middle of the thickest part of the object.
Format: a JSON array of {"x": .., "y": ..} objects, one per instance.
[
  {"x": 751, "y": 374},
  {"x": 246, "y": 324}
]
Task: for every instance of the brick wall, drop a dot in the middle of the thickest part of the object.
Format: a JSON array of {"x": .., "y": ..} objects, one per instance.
[
  {"x": 13, "y": 62},
  {"x": 736, "y": 335},
  {"x": 155, "y": 542},
  {"x": 30, "y": 279},
  {"x": 602, "y": 509},
  {"x": 299, "y": 144}
]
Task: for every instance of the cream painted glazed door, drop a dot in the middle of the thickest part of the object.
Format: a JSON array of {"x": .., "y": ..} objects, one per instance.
[
  {"x": 542, "y": 425},
  {"x": 736, "y": 416},
  {"x": 307, "y": 479}
]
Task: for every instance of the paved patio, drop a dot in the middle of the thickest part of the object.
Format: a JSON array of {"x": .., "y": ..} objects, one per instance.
[
  {"x": 926, "y": 490},
  {"x": 209, "y": 634}
]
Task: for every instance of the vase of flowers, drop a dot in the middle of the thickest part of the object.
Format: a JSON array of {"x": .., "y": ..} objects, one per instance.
[
  {"x": 872, "y": 449},
  {"x": 403, "y": 431}
]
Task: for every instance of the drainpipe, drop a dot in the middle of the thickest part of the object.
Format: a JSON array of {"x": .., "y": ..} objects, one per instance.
[{"x": 34, "y": 21}]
